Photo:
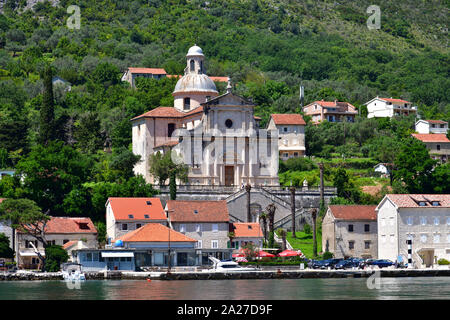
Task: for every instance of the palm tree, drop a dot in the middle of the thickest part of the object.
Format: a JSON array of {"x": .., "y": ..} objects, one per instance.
[
  {"x": 263, "y": 216},
  {"x": 271, "y": 214}
]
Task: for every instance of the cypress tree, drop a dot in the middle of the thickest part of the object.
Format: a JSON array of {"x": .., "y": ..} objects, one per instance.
[{"x": 47, "y": 114}]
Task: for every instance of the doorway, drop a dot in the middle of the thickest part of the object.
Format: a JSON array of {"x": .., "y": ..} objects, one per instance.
[{"x": 229, "y": 175}]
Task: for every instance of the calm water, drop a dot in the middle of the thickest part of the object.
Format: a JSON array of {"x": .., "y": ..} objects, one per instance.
[{"x": 282, "y": 289}]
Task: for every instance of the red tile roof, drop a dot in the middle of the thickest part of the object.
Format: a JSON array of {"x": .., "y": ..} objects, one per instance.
[
  {"x": 288, "y": 119},
  {"x": 168, "y": 112},
  {"x": 57, "y": 225},
  {"x": 67, "y": 245},
  {"x": 412, "y": 200},
  {"x": 198, "y": 211},
  {"x": 154, "y": 232},
  {"x": 436, "y": 121},
  {"x": 353, "y": 212},
  {"x": 147, "y": 70},
  {"x": 213, "y": 78},
  {"x": 431, "y": 137},
  {"x": 247, "y": 230},
  {"x": 138, "y": 208},
  {"x": 394, "y": 100},
  {"x": 166, "y": 144}
]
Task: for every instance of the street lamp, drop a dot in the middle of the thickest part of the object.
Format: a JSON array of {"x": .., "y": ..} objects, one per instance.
[{"x": 168, "y": 225}]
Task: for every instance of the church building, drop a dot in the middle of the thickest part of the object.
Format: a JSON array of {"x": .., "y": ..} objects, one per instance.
[{"x": 216, "y": 136}]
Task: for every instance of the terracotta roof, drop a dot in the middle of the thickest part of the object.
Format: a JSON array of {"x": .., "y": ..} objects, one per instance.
[
  {"x": 168, "y": 112},
  {"x": 1, "y": 200},
  {"x": 138, "y": 208},
  {"x": 198, "y": 211},
  {"x": 288, "y": 119},
  {"x": 374, "y": 190},
  {"x": 69, "y": 225},
  {"x": 67, "y": 245},
  {"x": 394, "y": 100},
  {"x": 413, "y": 200},
  {"x": 154, "y": 232},
  {"x": 353, "y": 212},
  {"x": 436, "y": 121},
  {"x": 247, "y": 230},
  {"x": 431, "y": 137},
  {"x": 147, "y": 70}
]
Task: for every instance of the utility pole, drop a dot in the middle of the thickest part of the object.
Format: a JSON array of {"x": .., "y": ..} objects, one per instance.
[
  {"x": 321, "y": 184},
  {"x": 314, "y": 216},
  {"x": 292, "y": 189}
]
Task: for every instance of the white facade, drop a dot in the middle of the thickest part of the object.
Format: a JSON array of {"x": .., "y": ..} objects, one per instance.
[
  {"x": 291, "y": 139},
  {"x": 430, "y": 126},
  {"x": 388, "y": 107},
  {"x": 428, "y": 227}
]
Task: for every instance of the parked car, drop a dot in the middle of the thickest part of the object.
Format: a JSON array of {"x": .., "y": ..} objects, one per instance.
[
  {"x": 325, "y": 264},
  {"x": 360, "y": 263},
  {"x": 382, "y": 263},
  {"x": 347, "y": 264}
]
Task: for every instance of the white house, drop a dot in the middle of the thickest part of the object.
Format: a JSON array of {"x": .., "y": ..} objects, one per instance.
[
  {"x": 431, "y": 126},
  {"x": 291, "y": 134},
  {"x": 382, "y": 168},
  {"x": 422, "y": 218},
  {"x": 389, "y": 107}
]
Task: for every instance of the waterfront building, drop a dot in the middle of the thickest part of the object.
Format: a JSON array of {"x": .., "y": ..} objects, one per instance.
[
  {"x": 331, "y": 111},
  {"x": 438, "y": 145},
  {"x": 217, "y": 138},
  {"x": 350, "y": 231},
  {"x": 389, "y": 107},
  {"x": 422, "y": 218},
  {"x": 245, "y": 233},
  {"x": 205, "y": 221},
  {"x": 152, "y": 243},
  {"x": 104, "y": 259},
  {"x": 127, "y": 214},
  {"x": 58, "y": 231},
  {"x": 291, "y": 134},
  {"x": 431, "y": 126}
]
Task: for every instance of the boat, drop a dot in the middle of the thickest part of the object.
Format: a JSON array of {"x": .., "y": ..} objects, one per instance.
[
  {"x": 227, "y": 266},
  {"x": 72, "y": 272}
]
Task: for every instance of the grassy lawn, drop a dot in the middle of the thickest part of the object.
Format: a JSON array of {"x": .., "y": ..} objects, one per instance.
[{"x": 304, "y": 242}]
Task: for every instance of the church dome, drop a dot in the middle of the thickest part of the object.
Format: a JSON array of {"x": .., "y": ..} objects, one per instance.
[
  {"x": 192, "y": 82},
  {"x": 195, "y": 51}
]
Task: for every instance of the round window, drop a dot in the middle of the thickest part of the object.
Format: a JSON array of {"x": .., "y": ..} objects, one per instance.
[{"x": 228, "y": 123}]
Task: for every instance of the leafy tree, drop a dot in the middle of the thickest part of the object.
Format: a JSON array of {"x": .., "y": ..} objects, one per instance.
[
  {"x": 55, "y": 255},
  {"x": 47, "y": 113},
  {"x": 106, "y": 73},
  {"x": 5, "y": 250},
  {"x": 162, "y": 165},
  {"x": 345, "y": 188},
  {"x": 123, "y": 161},
  {"x": 87, "y": 133}
]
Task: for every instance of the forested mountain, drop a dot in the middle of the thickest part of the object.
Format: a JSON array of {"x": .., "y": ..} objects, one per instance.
[{"x": 267, "y": 47}]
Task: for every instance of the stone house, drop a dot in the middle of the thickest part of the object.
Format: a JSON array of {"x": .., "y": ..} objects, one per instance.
[
  {"x": 331, "y": 111},
  {"x": 205, "y": 221},
  {"x": 350, "y": 231},
  {"x": 127, "y": 214},
  {"x": 422, "y": 218},
  {"x": 291, "y": 134},
  {"x": 58, "y": 231},
  {"x": 438, "y": 145},
  {"x": 245, "y": 233}
]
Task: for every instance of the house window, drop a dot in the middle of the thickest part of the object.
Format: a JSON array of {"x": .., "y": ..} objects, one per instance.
[
  {"x": 448, "y": 221},
  {"x": 295, "y": 154},
  {"x": 65, "y": 241},
  {"x": 350, "y": 228},
  {"x": 436, "y": 238},
  {"x": 52, "y": 242},
  {"x": 436, "y": 221},
  {"x": 124, "y": 226},
  {"x": 198, "y": 227},
  {"x": 138, "y": 225},
  {"x": 187, "y": 103},
  {"x": 391, "y": 221},
  {"x": 351, "y": 245},
  {"x": 438, "y": 147},
  {"x": 182, "y": 228},
  {"x": 198, "y": 245},
  {"x": 170, "y": 129},
  {"x": 423, "y": 221},
  {"x": 130, "y": 216},
  {"x": 89, "y": 256},
  {"x": 146, "y": 216},
  {"x": 423, "y": 238},
  {"x": 285, "y": 129},
  {"x": 409, "y": 221},
  {"x": 215, "y": 227},
  {"x": 214, "y": 244},
  {"x": 192, "y": 65},
  {"x": 367, "y": 227},
  {"x": 366, "y": 244},
  {"x": 285, "y": 155}
]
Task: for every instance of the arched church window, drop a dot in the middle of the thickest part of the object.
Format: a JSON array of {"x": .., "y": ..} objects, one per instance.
[
  {"x": 192, "y": 65},
  {"x": 228, "y": 123},
  {"x": 187, "y": 103}
]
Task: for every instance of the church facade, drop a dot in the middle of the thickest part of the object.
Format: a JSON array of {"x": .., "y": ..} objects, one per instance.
[{"x": 216, "y": 136}]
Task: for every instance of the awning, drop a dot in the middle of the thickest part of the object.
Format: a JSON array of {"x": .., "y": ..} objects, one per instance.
[
  {"x": 117, "y": 254},
  {"x": 30, "y": 254}
]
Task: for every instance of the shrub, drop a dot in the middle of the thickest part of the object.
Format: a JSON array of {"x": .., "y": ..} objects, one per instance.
[
  {"x": 443, "y": 262},
  {"x": 307, "y": 229},
  {"x": 327, "y": 255},
  {"x": 55, "y": 255}
]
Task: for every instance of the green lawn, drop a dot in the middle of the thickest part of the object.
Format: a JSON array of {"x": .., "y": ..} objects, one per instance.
[{"x": 304, "y": 242}]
